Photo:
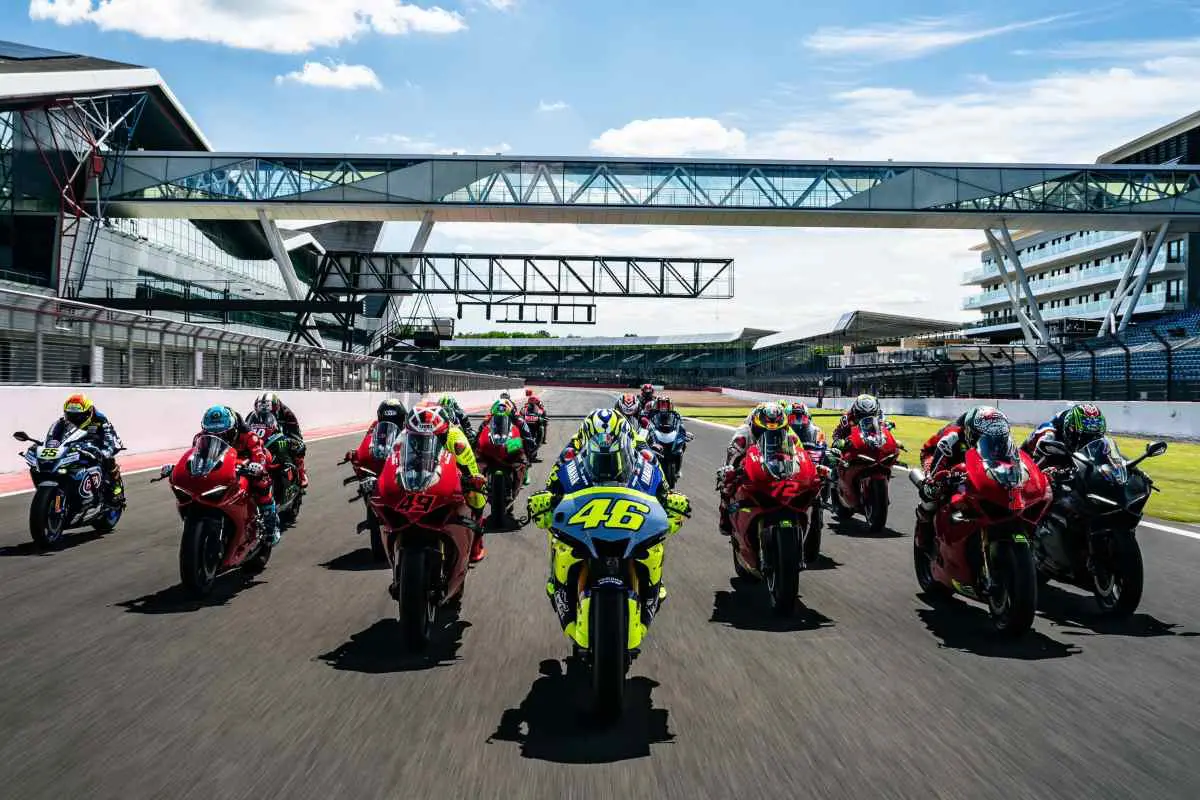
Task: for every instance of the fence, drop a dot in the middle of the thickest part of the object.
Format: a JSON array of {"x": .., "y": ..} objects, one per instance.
[{"x": 47, "y": 340}]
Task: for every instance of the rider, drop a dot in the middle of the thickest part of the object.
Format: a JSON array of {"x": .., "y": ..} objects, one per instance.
[
  {"x": 504, "y": 409},
  {"x": 865, "y": 405},
  {"x": 604, "y": 419},
  {"x": 665, "y": 418},
  {"x": 981, "y": 426},
  {"x": 288, "y": 425},
  {"x": 390, "y": 410},
  {"x": 436, "y": 423},
  {"x": 527, "y": 440},
  {"x": 646, "y": 398},
  {"x": 102, "y": 439},
  {"x": 533, "y": 405},
  {"x": 629, "y": 407},
  {"x": 1074, "y": 426},
  {"x": 802, "y": 424},
  {"x": 765, "y": 417},
  {"x": 456, "y": 414},
  {"x": 228, "y": 426}
]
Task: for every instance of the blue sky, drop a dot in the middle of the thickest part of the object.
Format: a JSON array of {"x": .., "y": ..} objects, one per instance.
[{"x": 929, "y": 79}]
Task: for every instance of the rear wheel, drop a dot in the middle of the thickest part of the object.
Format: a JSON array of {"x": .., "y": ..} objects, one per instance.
[
  {"x": 1117, "y": 580},
  {"x": 48, "y": 516},
  {"x": 608, "y": 638},
  {"x": 1014, "y": 597},
  {"x": 200, "y": 554},
  {"x": 875, "y": 505},
  {"x": 782, "y": 568},
  {"x": 417, "y": 608}
]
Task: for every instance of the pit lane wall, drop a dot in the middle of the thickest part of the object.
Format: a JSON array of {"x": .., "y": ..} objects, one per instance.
[
  {"x": 1141, "y": 418},
  {"x": 150, "y": 420}
]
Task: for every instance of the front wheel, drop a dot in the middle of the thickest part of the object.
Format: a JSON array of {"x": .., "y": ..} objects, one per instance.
[
  {"x": 782, "y": 568},
  {"x": 670, "y": 471},
  {"x": 417, "y": 608},
  {"x": 378, "y": 552},
  {"x": 498, "y": 499},
  {"x": 1118, "y": 578},
  {"x": 608, "y": 638},
  {"x": 812, "y": 540},
  {"x": 1013, "y": 600},
  {"x": 48, "y": 516},
  {"x": 875, "y": 505},
  {"x": 200, "y": 554},
  {"x": 923, "y": 566}
]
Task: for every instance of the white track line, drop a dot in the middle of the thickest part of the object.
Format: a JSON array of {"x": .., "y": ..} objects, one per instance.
[
  {"x": 30, "y": 490},
  {"x": 1157, "y": 526}
]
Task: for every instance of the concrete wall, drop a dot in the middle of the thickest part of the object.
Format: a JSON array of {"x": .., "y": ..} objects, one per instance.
[
  {"x": 161, "y": 419},
  {"x": 1172, "y": 420}
]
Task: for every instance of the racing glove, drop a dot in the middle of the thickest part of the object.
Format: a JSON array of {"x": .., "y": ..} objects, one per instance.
[{"x": 253, "y": 469}]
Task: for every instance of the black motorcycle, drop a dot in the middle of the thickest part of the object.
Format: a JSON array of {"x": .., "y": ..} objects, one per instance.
[
  {"x": 669, "y": 443},
  {"x": 1087, "y": 539},
  {"x": 70, "y": 482}
]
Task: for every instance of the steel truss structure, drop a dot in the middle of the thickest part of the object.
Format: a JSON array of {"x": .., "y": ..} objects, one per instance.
[
  {"x": 81, "y": 142},
  {"x": 7, "y": 142},
  {"x": 507, "y": 280},
  {"x": 656, "y": 191}
]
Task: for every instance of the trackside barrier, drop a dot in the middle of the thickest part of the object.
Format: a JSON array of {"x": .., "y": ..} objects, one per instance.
[
  {"x": 1137, "y": 418},
  {"x": 149, "y": 420}
]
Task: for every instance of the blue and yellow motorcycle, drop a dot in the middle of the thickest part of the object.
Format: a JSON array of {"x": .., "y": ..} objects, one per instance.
[{"x": 606, "y": 528}]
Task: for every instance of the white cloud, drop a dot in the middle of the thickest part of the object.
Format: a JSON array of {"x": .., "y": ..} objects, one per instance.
[
  {"x": 1122, "y": 50},
  {"x": 910, "y": 38},
  {"x": 557, "y": 105},
  {"x": 670, "y": 136},
  {"x": 333, "y": 76},
  {"x": 279, "y": 26},
  {"x": 501, "y": 5}
]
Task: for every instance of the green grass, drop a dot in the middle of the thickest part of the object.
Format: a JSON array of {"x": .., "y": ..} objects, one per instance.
[{"x": 1177, "y": 473}]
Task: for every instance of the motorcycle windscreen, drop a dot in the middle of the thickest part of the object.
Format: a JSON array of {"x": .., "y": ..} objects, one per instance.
[
  {"x": 871, "y": 429},
  {"x": 384, "y": 439},
  {"x": 1001, "y": 460},
  {"x": 778, "y": 454},
  {"x": 1106, "y": 458},
  {"x": 667, "y": 426},
  {"x": 500, "y": 430},
  {"x": 208, "y": 453},
  {"x": 418, "y": 456},
  {"x": 60, "y": 433},
  {"x": 608, "y": 458}
]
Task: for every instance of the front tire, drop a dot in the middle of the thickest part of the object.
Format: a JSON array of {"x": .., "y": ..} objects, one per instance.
[
  {"x": 498, "y": 498},
  {"x": 378, "y": 551},
  {"x": 923, "y": 567},
  {"x": 1118, "y": 584},
  {"x": 415, "y": 598},
  {"x": 1014, "y": 601},
  {"x": 200, "y": 554},
  {"x": 875, "y": 506},
  {"x": 812, "y": 540},
  {"x": 47, "y": 526},
  {"x": 608, "y": 639},
  {"x": 108, "y": 520},
  {"x": 783, "y": 569}
]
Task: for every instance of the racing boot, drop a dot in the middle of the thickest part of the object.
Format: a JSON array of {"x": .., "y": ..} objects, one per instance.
[
  {"x": 478, "y": 551},
  {"x": 114, "y": 492},
  {"x": 270, "y": 523},
  {"x": 303, "y": 473}
]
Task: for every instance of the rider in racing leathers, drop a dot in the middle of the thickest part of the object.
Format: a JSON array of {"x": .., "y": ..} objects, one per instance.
[
  {"x": 646, "y": 397},
  {"x": 765, "y": 417},
  {"x": 505, "y": 408},
  {"x": 1075, "y": 426},
  {"x": 629, "y": 407},
  {"x": 665, "y": 418},
  {"x": 948, "y": 448},
  {"x": 391, "y": 410},
  {"x": 456, "y": 414},
  {"x": 102, "y": 440},
  {"x": 801, "y": 422},
  {"x": 289, "y": 426},
  {"x": 865, "y": 405},
  {"x": 228, "y": 426}
]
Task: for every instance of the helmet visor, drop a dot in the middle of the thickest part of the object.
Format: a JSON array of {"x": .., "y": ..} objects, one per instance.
[
  {"x": 778, "y": 455},
  {"x": 608, "y": 458}
]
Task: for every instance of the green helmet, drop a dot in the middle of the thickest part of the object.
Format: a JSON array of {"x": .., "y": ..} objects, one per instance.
[
  {"x": 1083, "y": 423},
  {"x": 448, "y": 402},
  {"x": 499, "y": 409}
]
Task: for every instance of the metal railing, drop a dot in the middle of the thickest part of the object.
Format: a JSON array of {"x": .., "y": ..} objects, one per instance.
[{"x": 48, "y": 340}]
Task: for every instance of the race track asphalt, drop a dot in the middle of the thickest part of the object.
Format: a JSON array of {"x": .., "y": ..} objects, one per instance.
[{"x": 293, "y": 685}]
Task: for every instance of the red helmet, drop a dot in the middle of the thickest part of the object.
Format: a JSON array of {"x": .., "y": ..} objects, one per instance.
[
  {"x": 529, "y": 391},
  {"x": 627, "y": 404},
  {"x": 427, "y": 421},
  {"x": 664, "y": 403}
]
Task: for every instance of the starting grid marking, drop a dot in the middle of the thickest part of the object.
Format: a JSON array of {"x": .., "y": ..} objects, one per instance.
[{"x": 1157, "y": 526}]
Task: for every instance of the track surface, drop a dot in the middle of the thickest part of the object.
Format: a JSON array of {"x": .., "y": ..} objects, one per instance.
[{"x": 294, "y": 686}]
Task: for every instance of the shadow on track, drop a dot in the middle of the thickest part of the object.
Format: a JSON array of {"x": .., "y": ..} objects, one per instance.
[
  {"x": 176, "y": 600},
  {"x": 965, "y": 627},
  {"x": 1079, "y": 616},
  {"x": 857, "y": 528},
  {"x": 746, "y": 608},
  {"x": 359, "y": 560},
  {"x": 69, "y": 541},
  {"x": 380, "y": 649},
  {"x": 551, "y": 724}
]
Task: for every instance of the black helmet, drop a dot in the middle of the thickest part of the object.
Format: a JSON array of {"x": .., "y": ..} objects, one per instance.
[{"x": 391, "y": 410}]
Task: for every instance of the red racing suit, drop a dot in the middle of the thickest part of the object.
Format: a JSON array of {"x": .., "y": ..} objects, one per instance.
[{"x": 249, "y": 448}]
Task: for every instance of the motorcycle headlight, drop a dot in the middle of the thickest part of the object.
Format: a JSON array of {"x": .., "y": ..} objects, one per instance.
[{"x": 215, "y": 493}]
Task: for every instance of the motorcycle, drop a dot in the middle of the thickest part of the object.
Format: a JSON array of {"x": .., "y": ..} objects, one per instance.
[
  {"x": 816, "y": 516},
  {"x": 222, "y": 524},
  {"x": 368, "y": 460},
  {"x": 669, "y": 445},
  {"x": 501, "y": 456},
  {"x": 1088, "y": 537},
  {"x": 69, "y": 482},
  {"x": 427, "y": 531},
  {"x": 606, "y": 545},
  {"x": 537, "y": 423},
  {"x": 769, "y": 514},
  {"x": 981, "y": 546},
  {"x": 864, "y": 472},
  {"x": 285, "y": 476}
]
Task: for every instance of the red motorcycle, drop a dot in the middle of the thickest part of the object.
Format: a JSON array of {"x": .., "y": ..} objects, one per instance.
[
  {"x": 427, "y": 530},
  {"x": 500, "y": 452},
  {"x": 769, "y": 516},
  {"x": 864, "y": 472},
  {"x": 981, "y": 546},
  {"x": 222, "y": 528},
  {"x": 536, "y": 420},
  {"x": 368, "y": 460}
]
